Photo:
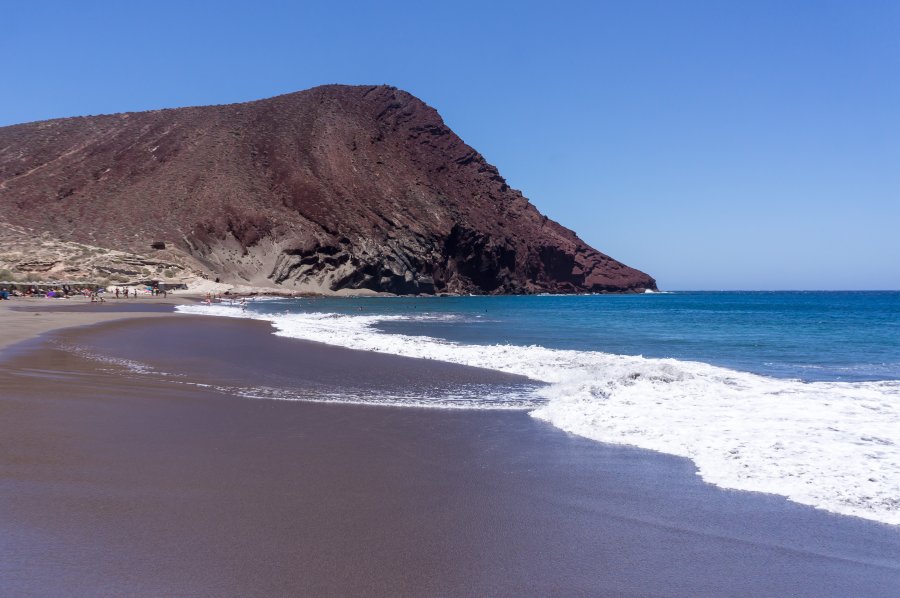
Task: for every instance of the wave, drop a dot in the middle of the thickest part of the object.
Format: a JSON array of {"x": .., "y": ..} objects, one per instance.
[
  {"x": 831, "y": 445},
  {"x": 480, "y": 396},
  {"x": 129, "y": 365}
]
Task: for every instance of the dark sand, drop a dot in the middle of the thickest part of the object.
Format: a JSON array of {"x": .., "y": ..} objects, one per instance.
[
  {"x": 23, "y": 318},
  {"x": 110, "y": 306},
  {"x": 119, "y": 483}
]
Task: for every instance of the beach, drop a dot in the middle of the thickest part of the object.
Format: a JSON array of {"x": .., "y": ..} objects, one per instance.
[
  {"x": 26, "y": 318},
  {"x": 131, "y": 465}
]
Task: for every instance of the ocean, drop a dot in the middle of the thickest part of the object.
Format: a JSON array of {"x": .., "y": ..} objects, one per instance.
[{"x": 789, "y": 393}]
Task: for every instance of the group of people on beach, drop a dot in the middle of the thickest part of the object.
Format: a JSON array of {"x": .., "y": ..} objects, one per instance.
[
  {"x": 210, "y": 297},
  {"x": 65, "y": 291},
  {"x": 232, "y": 301},
  {"x": 50, "y": 292},
  {"x": 125, "y": 291}
]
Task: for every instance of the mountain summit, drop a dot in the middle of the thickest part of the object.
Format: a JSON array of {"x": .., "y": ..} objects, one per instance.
[{"x": 330, "y": 189}]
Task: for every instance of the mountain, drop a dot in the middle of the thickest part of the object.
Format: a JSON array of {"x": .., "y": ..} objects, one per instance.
[{"x": 330, "y": 189}]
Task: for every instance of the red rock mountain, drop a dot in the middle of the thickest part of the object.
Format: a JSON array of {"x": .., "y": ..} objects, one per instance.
[{"x": 332, "y": 188}]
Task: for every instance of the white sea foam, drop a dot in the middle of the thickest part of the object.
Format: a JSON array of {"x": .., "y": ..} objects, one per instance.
[
  {"x": 832, "y": 445},
  {"x": 129, "y": 365},
  {"x": 460, "y": 397}
]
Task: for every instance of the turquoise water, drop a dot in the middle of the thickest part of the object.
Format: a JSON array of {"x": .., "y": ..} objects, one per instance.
[{"x": 852, "y": 336}]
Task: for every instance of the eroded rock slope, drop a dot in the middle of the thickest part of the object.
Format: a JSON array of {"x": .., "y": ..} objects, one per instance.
[{"x": 333, "y": 188}]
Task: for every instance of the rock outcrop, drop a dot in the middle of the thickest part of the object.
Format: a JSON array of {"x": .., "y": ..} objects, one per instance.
[
  {"x": 330, "y": 189},
  {"x": 26, "y": 256}
]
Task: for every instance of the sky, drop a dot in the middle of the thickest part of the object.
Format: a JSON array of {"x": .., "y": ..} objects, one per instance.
[{"x": 715, "y": 145}]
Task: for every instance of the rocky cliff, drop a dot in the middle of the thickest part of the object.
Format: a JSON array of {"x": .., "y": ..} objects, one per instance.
[{"x": 333, "y": 188}]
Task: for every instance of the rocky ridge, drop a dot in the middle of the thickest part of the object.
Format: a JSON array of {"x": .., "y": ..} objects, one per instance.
[{"x": 334, "y": 189}]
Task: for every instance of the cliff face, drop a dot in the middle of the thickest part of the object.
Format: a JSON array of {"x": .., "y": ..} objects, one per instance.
[{"x": 332, "y": 188}]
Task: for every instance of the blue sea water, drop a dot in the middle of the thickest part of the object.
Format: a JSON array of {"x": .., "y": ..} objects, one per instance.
[
  {"x": 791, "y": 393},
  {"x": 850, "y": 336}
]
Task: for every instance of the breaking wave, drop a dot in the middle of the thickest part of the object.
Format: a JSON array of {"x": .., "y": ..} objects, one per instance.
[{"x": 831, "y": 445}]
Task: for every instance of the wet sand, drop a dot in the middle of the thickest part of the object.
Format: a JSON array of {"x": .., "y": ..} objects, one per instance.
[
  {"x": 115, "y": 482},
  {"x": 25, "y": 318}
]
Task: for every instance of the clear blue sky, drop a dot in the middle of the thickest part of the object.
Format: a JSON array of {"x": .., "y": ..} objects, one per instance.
[{"x": 715, "y": 145}]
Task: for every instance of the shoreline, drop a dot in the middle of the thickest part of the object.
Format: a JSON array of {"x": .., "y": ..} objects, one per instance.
[
  {"x": 114, "y": 481},
  {"x": 27, "y": 319}
]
